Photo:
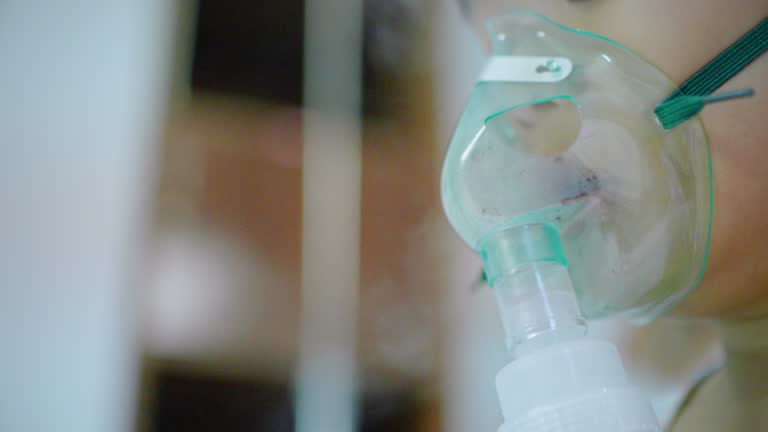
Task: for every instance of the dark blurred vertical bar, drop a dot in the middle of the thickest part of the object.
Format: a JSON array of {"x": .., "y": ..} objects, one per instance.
[{"x": 250, "y": 49}]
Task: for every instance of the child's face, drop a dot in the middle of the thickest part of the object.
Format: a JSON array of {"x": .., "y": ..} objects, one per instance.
[{"x": 680, "y": 37}]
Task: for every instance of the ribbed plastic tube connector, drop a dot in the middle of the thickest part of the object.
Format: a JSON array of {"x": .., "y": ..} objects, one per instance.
[{"x": 560, "y": 380}]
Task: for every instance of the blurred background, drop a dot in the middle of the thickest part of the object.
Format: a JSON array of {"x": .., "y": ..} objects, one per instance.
[{"x": 223, "y": 215}]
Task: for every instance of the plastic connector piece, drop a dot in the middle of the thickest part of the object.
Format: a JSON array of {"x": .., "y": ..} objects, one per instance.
[{"x": 560, "y": 380}]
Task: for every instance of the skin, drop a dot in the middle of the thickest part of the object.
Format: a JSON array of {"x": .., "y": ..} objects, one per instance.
[{"x": 680, "y": 37}]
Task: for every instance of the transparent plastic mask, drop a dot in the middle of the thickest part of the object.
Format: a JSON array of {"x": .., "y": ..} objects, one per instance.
[{"x": 584, "y": 153}]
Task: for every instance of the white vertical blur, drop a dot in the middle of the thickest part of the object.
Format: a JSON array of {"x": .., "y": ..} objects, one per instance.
[
  {"x": 83, "y": 87},
  {"x": 474, "y": 348},
  {"x": 326, "y": 387}
]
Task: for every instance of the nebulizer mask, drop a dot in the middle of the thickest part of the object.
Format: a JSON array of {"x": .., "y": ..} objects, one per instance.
[{"x": 582, "y": 206}]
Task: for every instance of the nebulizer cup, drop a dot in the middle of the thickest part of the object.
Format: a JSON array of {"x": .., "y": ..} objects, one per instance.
[{"x": 582, "y": 206}]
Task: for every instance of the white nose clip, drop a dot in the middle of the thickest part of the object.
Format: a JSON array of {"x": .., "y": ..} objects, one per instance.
[{"x": 526, "y": 69}]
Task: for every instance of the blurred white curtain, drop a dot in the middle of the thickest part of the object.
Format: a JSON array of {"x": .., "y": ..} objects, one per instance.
[{"x": 83, "y": 86}]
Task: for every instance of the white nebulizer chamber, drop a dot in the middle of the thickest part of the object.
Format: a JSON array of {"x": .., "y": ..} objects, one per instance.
[{"x": 560, "y": 380}]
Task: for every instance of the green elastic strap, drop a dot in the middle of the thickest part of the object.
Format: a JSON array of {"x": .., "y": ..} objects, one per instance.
[{"x": 709, "y": 78}]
